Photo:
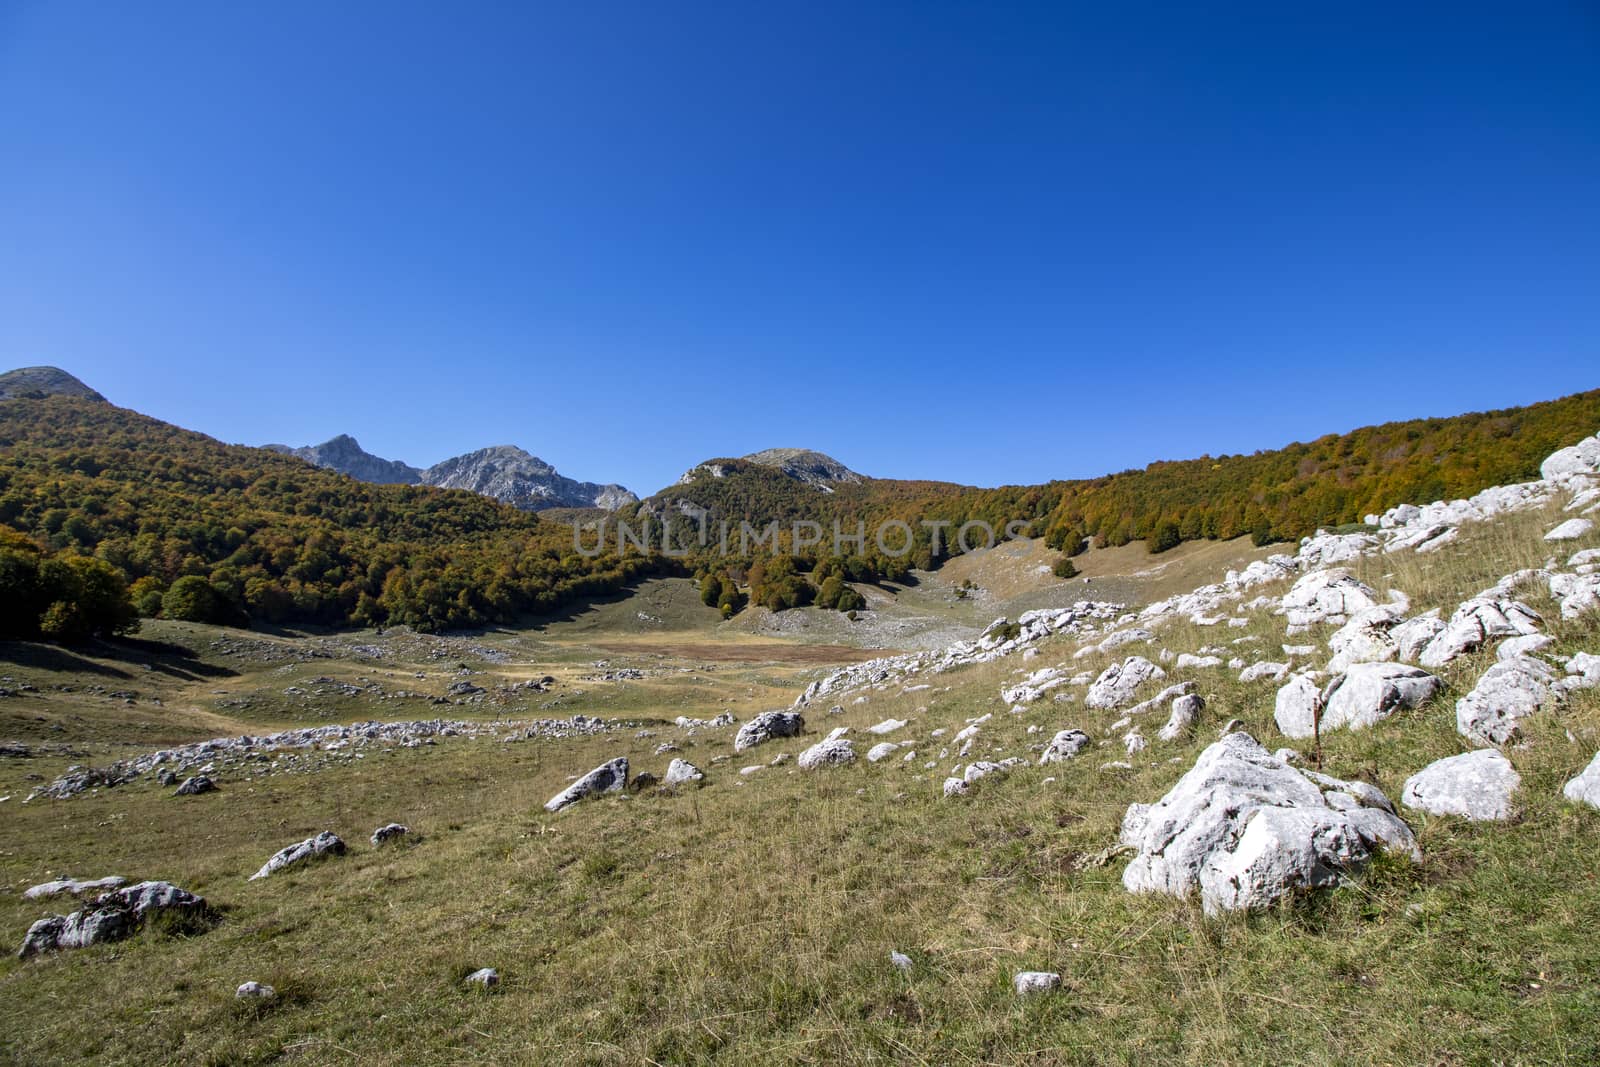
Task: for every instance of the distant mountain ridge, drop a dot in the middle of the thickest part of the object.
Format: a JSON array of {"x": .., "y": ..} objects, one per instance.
[
  {"x": 505, "y": 472},
  {"x": 44, "y": 381},
  {"x": 345, "y": 455}
]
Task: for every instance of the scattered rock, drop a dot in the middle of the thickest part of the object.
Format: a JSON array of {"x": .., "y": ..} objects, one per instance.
[
  {"x": 193, "y": 787},
  {"x": 1476, "y": 785},
  {"x": 484, "y": 978},
  {"x": 1584, "y": 788},
  {"x": 835, "y": 752},
  {"x": 767, "y": 726},
  {"x": 255, "y": 991},
  {"x": 1368, "y": 693},
  {"x": 1478, "y": 620},
  {"x": 887, "y": 726},
  {"x": 324, "y": 844},
  {"x": 681, "y": 772},
  {"x": 1185, "y": 713},
  {"x": 1245, "y": 828},
  {"x": 1118, "y": 682},
  {"x": 1509, "y": 691},
  {"x": 1570, "y": 530},
  {"x": 1063, "y": 746},
  {"x": 882, "y": 751},
  {"x": 899, "y": 961},
  {"x": 642, "y": 781},
  {"x": 1030, "y": 982},
  {"x": 610, "y": 777}
]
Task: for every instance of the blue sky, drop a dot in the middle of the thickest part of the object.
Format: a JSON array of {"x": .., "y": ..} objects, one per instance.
[{"x": 988, "y": 243}]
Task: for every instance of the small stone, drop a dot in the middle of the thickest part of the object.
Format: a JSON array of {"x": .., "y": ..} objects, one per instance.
[
  {"x": 193, "y": 787},
  {"x": 486, "y": 978},
  {"x": 392, "y": 832},
  {"x": 682, "y": 772},
  {"x": 1030, "y": 982},
  {"x": 255, "y": 991},
  {"x": 900, "y": 961}
]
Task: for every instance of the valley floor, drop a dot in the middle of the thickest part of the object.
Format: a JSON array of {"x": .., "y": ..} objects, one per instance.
[{"x": 751, "y": 920}]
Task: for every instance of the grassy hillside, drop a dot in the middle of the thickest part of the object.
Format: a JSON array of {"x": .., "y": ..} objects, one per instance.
[
  {"x": 751, "y": 921},
  {"x": 277, "y": 539}
]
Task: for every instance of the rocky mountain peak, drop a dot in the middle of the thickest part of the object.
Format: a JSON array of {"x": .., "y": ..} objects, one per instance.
[{"x": 803, "y": 464}]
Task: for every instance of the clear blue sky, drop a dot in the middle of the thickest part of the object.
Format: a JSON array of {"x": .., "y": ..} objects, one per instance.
[{"x": 983, "y": 242}]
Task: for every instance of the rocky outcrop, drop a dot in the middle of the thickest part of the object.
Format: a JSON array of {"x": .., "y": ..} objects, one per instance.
[
  {"x": 609, "y": 777},
  {"x": 1475, "y": 785},
  {"x": 1243, "y": 828},
  {"x": 324, "y": 844},
  {"x": 112, "y": 917},
  {"x": 1477, "y": 620}
]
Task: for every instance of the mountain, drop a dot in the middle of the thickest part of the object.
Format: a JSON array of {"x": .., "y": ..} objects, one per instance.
[
  {"x": 505, "y": 472},
  {"x": 513, "y": 476},
  {"x": 345, "y": 455},
  {"x": 44, "y": 381}
]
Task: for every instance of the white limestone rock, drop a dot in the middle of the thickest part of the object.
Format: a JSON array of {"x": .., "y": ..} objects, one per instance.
[
  {"x": 1185, "y": 713},
  {"x": 1584, "y": 787},
  {"x": 1245, "y": 829},
  {"x": 323, "y": 844},
  {"x": 1117, "y": 684},
  {"x": 1475, "y": 785},
  {"x": 766, "y": 727},
  {"x": 1509, "y": 691},
  {"x": 682, "y": 772},
  {"x": 1063, "y": 746},
  {"x": 1477, "y": 620},
  {"x": 834, "y": 752},
  {"x": 1570, "y": 530},
  {"x": 609, "y": 777}
]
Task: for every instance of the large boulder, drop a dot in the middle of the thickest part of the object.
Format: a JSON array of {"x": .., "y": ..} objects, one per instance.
[
  {"x": 111, "y": 917},
  {"x": 1327, "y": 596},
  {"x": 1364, "y": 695},
  {"x": 1508, "y": 692},
  {"x": 1478, "y": 620},
  {"x": 1368, "y": 693},
  {"x": 324, "y": 844},
  {"x": 1584, "y": 788},
  {"x": 834, "y": 752},
  {"x": 610, "y": 777},
  {"x": 1413, "y": 635},
  {"x": 768, "y": 726},
  {"x": 1244, "y": 829},
  {"x": 1581, "y": 459},
  {"x": 1118, "y": 682},
  {"x": 1475, "y": 785}
]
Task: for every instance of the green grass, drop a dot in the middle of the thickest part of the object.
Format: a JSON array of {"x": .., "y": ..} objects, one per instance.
[{"x": 751, "y": 921}]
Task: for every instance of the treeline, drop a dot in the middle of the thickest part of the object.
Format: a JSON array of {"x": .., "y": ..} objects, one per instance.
[
  {"x": 200, "y": 530},
  {"x": 1278, "y": 495}
]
